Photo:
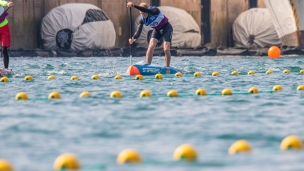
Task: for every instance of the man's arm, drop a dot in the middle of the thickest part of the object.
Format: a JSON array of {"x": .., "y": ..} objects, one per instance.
[
  {"x": 138, "y": 30},
  {"x": 152, "y": 11}
]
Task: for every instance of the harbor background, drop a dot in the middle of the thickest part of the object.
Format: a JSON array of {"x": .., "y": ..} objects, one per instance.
[{"x": 214, "y": 17}]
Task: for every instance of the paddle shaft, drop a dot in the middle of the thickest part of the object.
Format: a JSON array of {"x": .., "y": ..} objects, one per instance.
[{"x": 131, "y": 31}]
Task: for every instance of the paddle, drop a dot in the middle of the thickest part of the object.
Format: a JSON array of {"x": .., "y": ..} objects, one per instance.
[{"x": 131, "y": 35}]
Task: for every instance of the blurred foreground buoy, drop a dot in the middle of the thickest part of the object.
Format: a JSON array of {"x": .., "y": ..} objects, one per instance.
[
  {"x": 5, "y": 165},
  {"x": 291, "y": 142},
  {"x": 240, "y": 146},
  {"x": 21, "y": 96},
  {"x": 66, "y": 161},
  {"x": 128, "y": 156},
  {"x": 185, "y": 152},
  {"x": 302, "y": 71}
]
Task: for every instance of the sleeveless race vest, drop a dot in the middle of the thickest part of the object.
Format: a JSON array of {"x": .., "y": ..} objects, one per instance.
[{"x": 155, "y": 21}]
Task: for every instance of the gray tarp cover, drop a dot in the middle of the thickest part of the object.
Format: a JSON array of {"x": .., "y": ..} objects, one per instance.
[
  {"x": 88, "y": 33},
  {"x": 254, "y": 28},
  {"x": 186, "y": 32}
]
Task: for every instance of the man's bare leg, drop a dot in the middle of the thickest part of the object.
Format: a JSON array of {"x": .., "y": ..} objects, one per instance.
[
  {"x": 167, "y": 53},
  {"x": 150, "y": 50}
]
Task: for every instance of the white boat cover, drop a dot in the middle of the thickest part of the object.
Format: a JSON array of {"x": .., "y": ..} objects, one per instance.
[
  {"x": 77, "y": 26},
  {"x": 254, "y": 28},
  {"x": 186, "y": 32}
]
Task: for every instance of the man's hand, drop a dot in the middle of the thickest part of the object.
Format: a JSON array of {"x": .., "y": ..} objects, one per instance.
[
  {"x": 131, "y": 40},
  {"x": 130, "y": 4},
  {"x": 10, "y": 4}
]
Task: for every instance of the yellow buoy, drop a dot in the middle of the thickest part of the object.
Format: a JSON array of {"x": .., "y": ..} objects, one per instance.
[
  {"x": 269, "y": 72},
  {"x": 5, "y": 165},
  {"x": 118, "y": 77},
  {"x": 159, "y": 76},
  {"x": 291, "y": 142},
  {"x": 226, "y": 92},
  {"x": 178, "y": 74},
  {"x": 95, "y": 77},
  {"x": 302, "y": 71},
  {"x": 197, "y": 74},
  {"x": 200, "y": 92},
  {"x": 74, "y": 77},
  {"x": 128, "y": 156},
  {"x": 139, "y": 77},
  {"x": 215, "y": 74},
  {"x": 116, "y": 94},
  {"x": 251, "y": 72},
  {"x": 85, "y": 94},
  {"x": 234, "y": 73},
  {"x": 4, "y": 79},
  {"x": 51, "y": 77},
  {"x": 277, "y": 88},
  {"x": 145, "y": 93},
  {"x": 28, "y": 78},
  {"x": 21, "y": 96},
  {"x": 286, "y": 71},
  {"x": 172, "y": 93},
  {"x": 253, "y": 90},
  {"x": 300, "y": 87},
  {"x": 54, "y": 95},
  {"x": 185, "y": 152},
  {"x": 66, "y": 161},
  {"x": 240, "y": 146}
]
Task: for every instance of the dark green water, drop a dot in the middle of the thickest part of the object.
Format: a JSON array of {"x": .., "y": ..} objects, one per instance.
[{"x": 96, "y": 129}]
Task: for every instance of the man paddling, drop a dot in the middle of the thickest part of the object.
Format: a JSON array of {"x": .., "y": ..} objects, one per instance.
[
  {"x": 5, "y": 35},
  {"x": 153, "y": 17}
]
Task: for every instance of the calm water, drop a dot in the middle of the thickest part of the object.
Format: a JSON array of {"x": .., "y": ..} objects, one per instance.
[{"x": 96, "y": 129}]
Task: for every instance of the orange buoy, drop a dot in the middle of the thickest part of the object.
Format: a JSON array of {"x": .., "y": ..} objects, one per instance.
[
  {"x": 133, "y": 70},
  {"x": 274, "y": 52}
]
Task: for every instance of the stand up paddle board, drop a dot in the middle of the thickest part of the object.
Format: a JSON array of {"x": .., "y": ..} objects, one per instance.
[
  {"x": 146, "y": 69},
  {"x": 6, "y": 72}
]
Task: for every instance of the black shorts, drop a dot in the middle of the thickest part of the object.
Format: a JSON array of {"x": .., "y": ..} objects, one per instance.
[{"x": 166, "y": 32}]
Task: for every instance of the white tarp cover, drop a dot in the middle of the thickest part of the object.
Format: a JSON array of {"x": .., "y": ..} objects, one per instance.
[
  {"x": 77, "y": 26},
  {"x": 186, "y": 32},
  {"x": 254, "y": 28}
]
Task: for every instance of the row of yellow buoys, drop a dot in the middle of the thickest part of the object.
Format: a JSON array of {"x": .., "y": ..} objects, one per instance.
[
  {"x": 147, "y": 93},
  {"x": 185, "y": 152},
  {"x": 140, "y": 77}
]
